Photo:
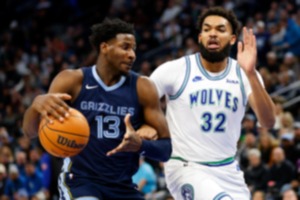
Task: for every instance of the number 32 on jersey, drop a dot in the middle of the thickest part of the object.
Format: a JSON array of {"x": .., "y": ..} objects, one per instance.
[{"x": 213, "y": 122}]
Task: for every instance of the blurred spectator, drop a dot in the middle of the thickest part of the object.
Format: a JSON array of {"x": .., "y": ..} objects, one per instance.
[
  {"x": 282, "y": 171},
  {"x": 256, "y": 174},
  {"x": 170, "y": 12},
  {"x": 6, "y": 155},
  {"x": 248, "y": 125},
  {"x": 289, "y": 195},
  {"x": 145, "y": 178},
  {"x": 258, "y": 195},
  {"x": 40, "y": 196},
  {"x": 248, "y": 143},
  {"x": 287, "y": 123},
  {"x": 35, "y": 158},
  {"x": 267, "y": 79},
  {"x": 33, "y": 179},
  {"x": 191, "y": 46},
  {"x": 287, "y": 144},
  {"x": 272, "y": 63},
  {"x": 3, "y": 177},
  {"x": 278, "y": 101},
  {"x": 291, "y": 37},
  {"x": 21, "y": 159},
  {"x": 24, "y": 144},
  {"x": 284, "y": 80},
  {"x": 172, "y": 35},
  {"x": 4, "y": 137},
  {"x": 262, "y": 42},
  {"x": 145, "y": 69},
  {"x": 14, "y": 183},
  {"x": 22, "y": 194},
  {"x": 297, "y": 143},
  {"x": 291, "y": 63},
  {"x": 266, "y": 144},
  {"x": 147, "y": 43}
]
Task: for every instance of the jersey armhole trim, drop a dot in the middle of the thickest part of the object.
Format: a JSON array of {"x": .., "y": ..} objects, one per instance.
[
  {"x": 239, "y": 75},
  {"x": 186, "y": 78}
]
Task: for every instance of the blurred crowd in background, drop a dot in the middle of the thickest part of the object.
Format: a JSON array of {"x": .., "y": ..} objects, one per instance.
[{"x": 39, "y": 38}]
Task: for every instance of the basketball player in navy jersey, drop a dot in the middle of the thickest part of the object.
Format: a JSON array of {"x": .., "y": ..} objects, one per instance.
[{"x": 116, "y": 102}]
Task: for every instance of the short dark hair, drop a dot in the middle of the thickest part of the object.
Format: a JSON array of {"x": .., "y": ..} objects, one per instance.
[
  {"x": 107, "y": 30},
  {"x": 219, "y": 11}
]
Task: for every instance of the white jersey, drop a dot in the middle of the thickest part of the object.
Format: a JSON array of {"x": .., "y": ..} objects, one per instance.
[{"x": 204, "y": 110}]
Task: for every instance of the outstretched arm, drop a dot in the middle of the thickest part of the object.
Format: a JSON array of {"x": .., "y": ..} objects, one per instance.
[{"x": 259, "y": 99}]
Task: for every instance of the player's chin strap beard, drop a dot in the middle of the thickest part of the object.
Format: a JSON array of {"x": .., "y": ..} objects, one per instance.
[{"x": 215, "y": 56}]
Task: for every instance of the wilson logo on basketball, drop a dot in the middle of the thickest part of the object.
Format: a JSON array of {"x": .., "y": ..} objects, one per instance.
[{"x": 69, "y": 143}]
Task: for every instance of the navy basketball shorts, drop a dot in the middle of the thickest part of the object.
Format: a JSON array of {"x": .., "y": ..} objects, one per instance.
[{"x": 72, "y": 187}]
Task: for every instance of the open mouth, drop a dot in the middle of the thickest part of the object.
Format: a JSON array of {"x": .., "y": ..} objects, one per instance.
[{"x": 213, "y": 45}]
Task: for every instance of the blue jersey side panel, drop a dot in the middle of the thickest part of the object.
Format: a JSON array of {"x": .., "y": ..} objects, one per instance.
[{"x": 105, "y": 111}]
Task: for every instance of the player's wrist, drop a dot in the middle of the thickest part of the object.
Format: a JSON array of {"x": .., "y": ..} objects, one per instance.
[{"x": 159, "y": 150}]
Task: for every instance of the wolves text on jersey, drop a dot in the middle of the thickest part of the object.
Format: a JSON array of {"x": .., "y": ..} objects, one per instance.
[{"x": 214, "y": 97}]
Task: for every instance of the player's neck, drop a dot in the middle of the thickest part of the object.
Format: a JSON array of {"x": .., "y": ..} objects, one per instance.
[
  {"x": 214, "y": 66},
  {"x": 108, "y": 76}
]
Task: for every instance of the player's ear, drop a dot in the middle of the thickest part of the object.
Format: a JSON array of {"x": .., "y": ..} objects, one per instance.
[
  {"x": 199, "y": 38},
  {"x": 103, "y": 47},
  {"x": 233, "y": 39}
]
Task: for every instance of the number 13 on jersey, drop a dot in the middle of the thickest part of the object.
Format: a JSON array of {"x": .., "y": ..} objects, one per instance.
[{"x": 112, "y": 123}]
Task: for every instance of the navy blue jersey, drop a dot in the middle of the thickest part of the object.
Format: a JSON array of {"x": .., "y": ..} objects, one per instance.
[{"x": 105, "y": 108}]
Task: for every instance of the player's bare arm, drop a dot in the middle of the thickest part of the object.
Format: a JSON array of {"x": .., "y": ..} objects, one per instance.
[
  {"x": 64, "y": 87},
  {"x": 148, "y": 97},
  {"x": 153, "y": 115},
  {"x": 259, "y": 99}
]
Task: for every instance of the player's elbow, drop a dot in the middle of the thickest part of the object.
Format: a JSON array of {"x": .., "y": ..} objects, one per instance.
[
  {"x": 268, "y": 123},
  {"x": 28, "y": 133}
]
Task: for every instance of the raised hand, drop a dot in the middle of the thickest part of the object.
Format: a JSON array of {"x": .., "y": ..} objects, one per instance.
[
  {"x": 52, "y": 104},
  {"x": 247, "y": 51},
  {"x": 131, "y": 142}
]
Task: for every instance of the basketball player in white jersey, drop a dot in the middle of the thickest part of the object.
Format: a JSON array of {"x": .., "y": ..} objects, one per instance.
[{"x": 207, "y": 93}]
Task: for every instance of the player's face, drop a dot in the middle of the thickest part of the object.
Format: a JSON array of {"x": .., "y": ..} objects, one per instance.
[
  {"x": 216, "y": 38},
  {"x": 120, "y": 52}
]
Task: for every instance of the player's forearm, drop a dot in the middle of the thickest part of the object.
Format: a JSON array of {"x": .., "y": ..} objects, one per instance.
[
  {"x": 30, "y": 123},
  {"x": 262, "y": 103}
]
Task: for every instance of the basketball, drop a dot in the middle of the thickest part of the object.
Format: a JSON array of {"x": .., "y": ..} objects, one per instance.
[{"x": 67, "y": 138}]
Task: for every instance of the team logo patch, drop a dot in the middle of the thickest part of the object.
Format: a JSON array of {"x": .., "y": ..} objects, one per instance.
[{"x": 187, "y": 192}]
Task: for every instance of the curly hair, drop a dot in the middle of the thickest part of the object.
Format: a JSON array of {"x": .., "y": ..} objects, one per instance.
[
  {"x": 107, "y": 30},
  {"x": 219, "y": 11}
]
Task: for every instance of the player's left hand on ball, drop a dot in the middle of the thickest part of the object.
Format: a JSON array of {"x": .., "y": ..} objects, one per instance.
[{"x": 131, "y": 142}]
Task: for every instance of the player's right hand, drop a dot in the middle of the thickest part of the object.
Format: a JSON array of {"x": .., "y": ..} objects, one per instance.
[
  {"x": 131, "y": 142},
  {"x": 52, "y": 104}
]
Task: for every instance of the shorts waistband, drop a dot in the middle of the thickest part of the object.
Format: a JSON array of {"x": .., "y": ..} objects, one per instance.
[{"x": 226, "y": 161}]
